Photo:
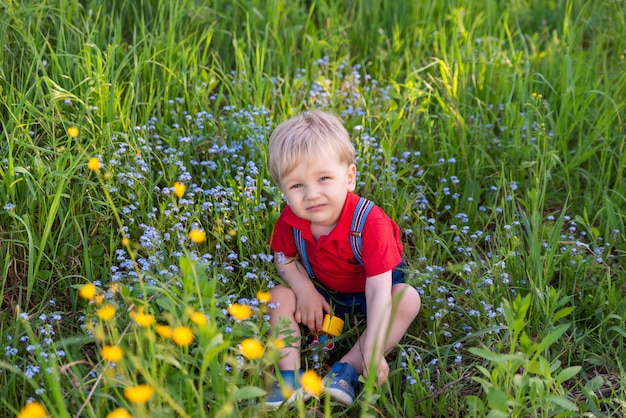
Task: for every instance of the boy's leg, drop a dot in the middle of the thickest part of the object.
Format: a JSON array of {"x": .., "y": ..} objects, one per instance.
[
  {"x": 285, "y": 301},
  {"x": 406, "y": 305}
]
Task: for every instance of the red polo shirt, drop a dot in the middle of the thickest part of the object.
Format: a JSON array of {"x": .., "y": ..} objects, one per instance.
[{"x": 331, "y": 257}]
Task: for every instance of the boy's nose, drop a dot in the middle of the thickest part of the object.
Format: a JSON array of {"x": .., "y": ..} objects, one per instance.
[{"x": 312, "y": 193}]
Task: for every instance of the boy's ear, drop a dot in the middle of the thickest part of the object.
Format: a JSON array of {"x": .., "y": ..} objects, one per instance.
[{"x": 351, "y": 177}]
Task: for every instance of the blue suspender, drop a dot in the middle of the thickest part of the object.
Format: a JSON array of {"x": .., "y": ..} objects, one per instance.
[
  {"x": 356, "y": 228},
  {"x": 301, "y": 247}
]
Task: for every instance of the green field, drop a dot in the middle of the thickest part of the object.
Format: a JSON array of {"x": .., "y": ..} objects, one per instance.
[{"x": 494, "y": 133}]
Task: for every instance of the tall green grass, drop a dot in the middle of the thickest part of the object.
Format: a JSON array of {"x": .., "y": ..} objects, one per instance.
[{"x": 492, "y": 133}]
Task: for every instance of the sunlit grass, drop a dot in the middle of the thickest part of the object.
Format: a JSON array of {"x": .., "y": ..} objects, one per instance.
[{"x": 135, "y": 204}]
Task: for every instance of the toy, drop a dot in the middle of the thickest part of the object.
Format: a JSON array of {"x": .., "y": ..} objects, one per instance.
[{"x": 331, "y": 327}]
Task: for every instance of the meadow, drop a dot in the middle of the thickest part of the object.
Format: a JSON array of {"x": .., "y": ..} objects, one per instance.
[{"x": 135, "y": 202}]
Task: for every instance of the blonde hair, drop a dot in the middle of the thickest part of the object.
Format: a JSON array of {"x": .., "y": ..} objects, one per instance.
[{"x": 305, "y": 137}]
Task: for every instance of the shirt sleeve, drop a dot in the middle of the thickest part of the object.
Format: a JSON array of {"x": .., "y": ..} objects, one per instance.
[
  {"x": 381, "y": 244},
  {"x": 281, "y": 240}
]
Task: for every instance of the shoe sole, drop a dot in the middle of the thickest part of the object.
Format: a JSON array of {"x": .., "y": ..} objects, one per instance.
[{"x": 340, "y": 396}]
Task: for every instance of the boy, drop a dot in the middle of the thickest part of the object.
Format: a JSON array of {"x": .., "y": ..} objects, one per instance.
[{"x": 311, "y": 160}]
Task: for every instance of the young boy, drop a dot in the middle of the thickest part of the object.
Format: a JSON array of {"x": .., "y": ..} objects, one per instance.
[{"x": 311, "y": 160}]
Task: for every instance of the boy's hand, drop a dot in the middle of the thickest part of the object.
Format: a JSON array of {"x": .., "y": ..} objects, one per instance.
[
  {"x": 310, "y": 308},
  {"x": 381, "y": 369}
]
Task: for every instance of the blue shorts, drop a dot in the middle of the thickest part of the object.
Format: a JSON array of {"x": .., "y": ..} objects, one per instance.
[{"x": 342, "y": 304}]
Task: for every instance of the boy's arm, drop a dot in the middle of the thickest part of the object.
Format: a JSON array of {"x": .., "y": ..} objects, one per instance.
[
  {"x": 378, "y": 297},
  {"x": 310, "y": 305}
]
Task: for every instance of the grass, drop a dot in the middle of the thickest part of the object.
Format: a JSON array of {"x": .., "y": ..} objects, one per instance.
[{"x": 492, "y": 133}]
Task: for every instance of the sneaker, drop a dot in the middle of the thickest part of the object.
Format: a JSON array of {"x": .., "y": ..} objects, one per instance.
[
  {"x": 341, "y": 383},
  {"x": 286, "y": 393}
]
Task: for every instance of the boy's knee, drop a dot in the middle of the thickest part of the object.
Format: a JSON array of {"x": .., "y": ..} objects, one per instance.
[
  {"x": 410, "y": 301},
  {"x": 282, "y": 294},
  {"x": 280, "y": 290}
]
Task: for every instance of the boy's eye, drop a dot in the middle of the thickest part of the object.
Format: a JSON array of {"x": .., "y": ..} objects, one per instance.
[
  {"x": 324, "y": 178},
  {"x": 295, "y": 186}
]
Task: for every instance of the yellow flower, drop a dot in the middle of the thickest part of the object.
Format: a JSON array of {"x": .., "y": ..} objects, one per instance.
[
  {"x": 106, "y": 312},
  {"x": 179, "y": 189},
  {"x": 72, "y": 131},
  {"x": 252, "y": 349},
  {"x": 182, "y": 336},
  {"x": 93, "y": 164},
  {"x": 112, "y": 353},
  {"x": 197, "y": 236},
  {"x": 125, "y": 241},
  {"x": 312, "y": 382},
  {"x": 119, "y": 413},
  {"x": 264, "y": 297},
  {"x": 142, "y": 319},
  {"x": 279, "y": 344},
  {"x": 198, "y": 318},
  {"x": 139, "y": 394},
  {"x": 240, "y": 312},
  {"x": 33, "y": 410},
  {"x": 87, "y": 291},
  {"x": 164, "y": 331}
]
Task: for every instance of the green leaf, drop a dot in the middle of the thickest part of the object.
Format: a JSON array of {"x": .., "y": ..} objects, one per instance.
[
  {"x": 497, "y": 399},
  {"x": 186, "y": 267},
  {"x": 562, "y": 313},
  {"x": 567, "y": 374},
  {"x": 525, "y": 342},
  {"x": 551, "y": 338},
  {"x": 249, "y": 392},
  {"x": 595, "y": 383},
  {"x": 563, "y": 402},
  {"x": 497, "y": 414},
  {"x": 493, "y": 357},
  {"x": 475, "y": 404},
  {"x": 166, "y": 304}
]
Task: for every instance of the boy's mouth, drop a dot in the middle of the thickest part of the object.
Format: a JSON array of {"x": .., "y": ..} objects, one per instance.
[{"x": 316, "y": 207}]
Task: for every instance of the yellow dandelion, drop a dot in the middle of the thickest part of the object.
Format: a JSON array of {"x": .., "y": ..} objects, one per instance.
[
  {"x": 107, "y": 312},
  {"x": 112, "y": 353},
  {"x": 312, "y": 382},
  {"x": 182, "y": 336},
  {"x": 33, "y": 410},
  {"x": 94, "y": 164},
  {"x": 240, "y": 312},
  {"x": 279, "y": 344},
  {"x": 125, "y": 241},
  {"x": 139, "y": 393},
  {"x": 264, "y": 297},
  {"x": 87, "y": 291},
  {"x": 179, "y": 189},
  {"x": 252, "y": 349},
  {"x": 198, "y": 318},
  {"x": 165, "y": 331},
  {"x": 119, "y": 413},
  {"x": 72, "y": 131},
  {"x": 198, "y": 236},
  {"x": 142, "y": 319}
]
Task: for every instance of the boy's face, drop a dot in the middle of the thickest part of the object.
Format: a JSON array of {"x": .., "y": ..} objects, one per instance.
[{"x": 316, "y": 190}]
